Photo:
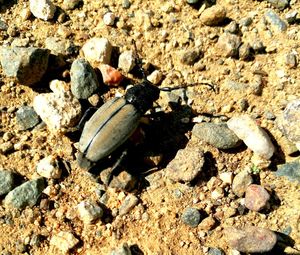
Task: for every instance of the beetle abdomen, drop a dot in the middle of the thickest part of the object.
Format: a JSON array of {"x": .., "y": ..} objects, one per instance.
[{"x": 110, "y": 126}]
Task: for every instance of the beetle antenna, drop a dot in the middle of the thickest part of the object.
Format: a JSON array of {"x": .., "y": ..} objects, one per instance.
[
  {"x": 138, "y": 61},
  {"x": 168, "y": 89}
]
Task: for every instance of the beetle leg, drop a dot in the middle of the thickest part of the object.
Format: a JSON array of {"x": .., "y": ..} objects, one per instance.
[{"x": 114, "y": 171}]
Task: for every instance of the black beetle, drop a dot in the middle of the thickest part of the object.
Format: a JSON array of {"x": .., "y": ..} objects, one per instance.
[{"x": 115, "y": 121}]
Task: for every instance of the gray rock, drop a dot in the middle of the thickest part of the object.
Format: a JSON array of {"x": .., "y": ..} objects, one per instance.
[
  {"x": 245, "y": 22},
  {"x": 289, "y": 121},
  {"x": 26, "y": 117},
  {"x": 192, "y": 1},
  {"x": 126, "y": 4},
  {"x": 190, "y": 57},
  {"x": 291, "y": 60},
  {"x": 291, "y": 170},
  {"x": 277, "y": 24},
  {"x": 3, "y": 26},
  {"x": 186, "y": 165},
  {"x": 59, "y": 46},
  {"x": 240, "y": 183},
  {"x": 27, "y": 65},
  {"x": 258, "y": 46},
  {"x": 280, "y": 4},
  {"x": 71, "y": 4},
  {"x": 128, "y": 204},
  {"x": 122, "y": 250},
  {"x": 191, "y": 217},
  {"x": 124, "y": 181},
  {"x": 253, "y": 135},
  {"x": 218, "y": 135},
  {"x": 256, "y": 198},
  {"x": 126, "y": 61},
  {"x": 26, "y": 194},
  {"x": 250, "y": 239},
  {"x": 228, "y": 45},
  {"x": 6, "y": 181},
  {"x": 215, "y": 251},
  {"x": 232, "y": 27},
  {"x": 213, "y": 16},
  {"x": 83, "y": 79},
  {"x": 245, "y": 51}
]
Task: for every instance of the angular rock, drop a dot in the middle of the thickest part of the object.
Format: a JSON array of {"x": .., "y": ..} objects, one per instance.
[
  {"x": 190, "y": 57},
  {"x": 48, "y": 167},
  {"x": 277, "y": 24},
  {"x": 26, "y": 117},
  {"x": 280, "y": 4},
  {"x": 97, "y": 50},
  {"x": 213, "y": 16},
  {"x": 241, "y": 182},
  {"x": 218, "y": 135},
  {"x": 60, "y": 110},
  {"x": 289, "y": 121},
  {"x": 84, "y": 80},
  {"x": 42, "y": 9},
  {"x": 27, "y": 65},
  {"x": 6, "y": 181},
  {"x": 128, "y": 204},
  {"x": 256, "y": 198},
  {"x": 228, "y": 45},
  {"x": 110, "y": 75},
  {"x": 291, "y": 16},
  {"x": 250, "y": 239},
  {"x": 245, "y": 51},
  {"x": 155, "y": 77},
  {"x": 89, "y": 211},
  {"x": 26, "y": 194},
  {"x": 186, "y": 165},
  {"x": 59, "y": 46},
  {"x": 191, "y": 217},
  {"x": 291, "y": 170},
  {"x": 124, "y": 181},
  {"x": 126, "y": 61},
  {"x": 253, "y": 135},
  {"x": 64, "y": 241},
  {"x": 122, "y": 250}
]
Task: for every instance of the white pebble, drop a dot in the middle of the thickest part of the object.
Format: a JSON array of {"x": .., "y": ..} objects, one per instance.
[
  {"x": 253, "y": 135},
  {"x": 109, "y": 19},
  {"x": 42, "y": 9},
  {"x": 48, "y": 167},
  {"x": 60, "y": 110},
  {"x": 155, "y": 77},
  {"x": 226, "y": 177},
  {"x": 97, "y": 50},
  {"x": 126, "y": 61},
  {"x": 88, "y": 211},
  {"x": 64, "y": 241}
]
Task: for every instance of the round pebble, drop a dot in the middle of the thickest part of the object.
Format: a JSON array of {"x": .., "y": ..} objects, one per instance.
[
  {"x": 213, "y": 16},
  {"x": 256, "y": 198},
  {"x": 191, "y": 217}
]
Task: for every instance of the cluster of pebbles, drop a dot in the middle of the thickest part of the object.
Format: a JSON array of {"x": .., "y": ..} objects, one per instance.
[{"x": 218, "y": 201}]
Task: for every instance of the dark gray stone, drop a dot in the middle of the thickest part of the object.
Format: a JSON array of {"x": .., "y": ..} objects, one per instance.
[
  {"x": 191, "y": 217},
  {"x": 218, "y": 135},
  {"x": 215, "y": 251},
  {"x": 291, "y": 170},
  {"x": 6, "y": 181},
  {"x": 27, "y": 117},
  {"x": 26, "y": 194},
  {"x": 275, "y": 21},
  {"x": 126, "y": 4},
  {"x": 83, "y": 79},
  {"x": 27, "y": 65}
]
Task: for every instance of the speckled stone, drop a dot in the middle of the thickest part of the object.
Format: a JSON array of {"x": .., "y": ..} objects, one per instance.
[{"x": 191, "y": 217}]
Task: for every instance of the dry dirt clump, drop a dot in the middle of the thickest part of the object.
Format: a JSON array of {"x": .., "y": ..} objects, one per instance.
[{"x": 247, "y": 54}]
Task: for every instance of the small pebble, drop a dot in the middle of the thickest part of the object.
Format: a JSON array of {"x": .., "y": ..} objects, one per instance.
[
  {"x": 84, "y": 80},
  {"x": 191, "y": 217},
  {"x": 218, "y": 193},
  {"x": 27, "y": 194},
  {"x": 122, "y": 250},
  {"x": 109, "y": 19},
  {"x": 124, "y": 181},
  {"x": 250, "y": 239},
  {"x": 26, "y": 117},
  {"x": 215, "y": 251},
  {"x": 6, "y": 181},
  {"x": 228, "y": 45},
  {"x": 110, "y": 75},
  {"x": 291, "y": 60},
  {"x": 277, "y": 24},
  {"x": 213, "y": 16},
  {"x": 126, "y": 4},
  {"x": 245, "y": 51},
  {"x": 232, "y": 27},
  {"x": 192, "y": 1},
  {"x": 71, "y": 4},
  {"x": 128, "y": 204},
  {"x": 6, "y": 147},
  {"x": 27, "y": 65},
  {"x": 208, "y": 223},
  {"x": 291, "y": 170},
  {"x": 3, "y": 26},
  {"x": 190, "y": 57},
  {"x": 241, "y": 182},
  {"x": 126, "y": 61},
  {"x": 226, "y": 177},
  {"x": 253, "y": 135},
  {"x": 155, "y": 77},
  {"x": 245, "y": 22},
  {"x": 48, "y": 167},
  {"x": 42, "y": 9},
  {"x": 97, "y": 50},
  {"x": 218, "y": 135},
  {"x": 256, "y": 198},
  {"x": 89, "y": 211},
  {"x": 64, "y": 241},
  {"x": 280, "y": 4},
  {"x": 186, "y": 165}
]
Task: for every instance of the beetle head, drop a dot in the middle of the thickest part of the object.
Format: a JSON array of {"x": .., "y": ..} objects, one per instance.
[{"x": 142, "y": 95}]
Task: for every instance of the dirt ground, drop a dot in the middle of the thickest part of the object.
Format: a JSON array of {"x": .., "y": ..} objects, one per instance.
[{"x": 154, "y": 225}]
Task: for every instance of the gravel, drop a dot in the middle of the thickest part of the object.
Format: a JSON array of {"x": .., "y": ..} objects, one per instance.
[
  {"x": 27, "y": 194},
  {"x": 84, "y": 80},
  {"x": 27, "y": 65}
]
